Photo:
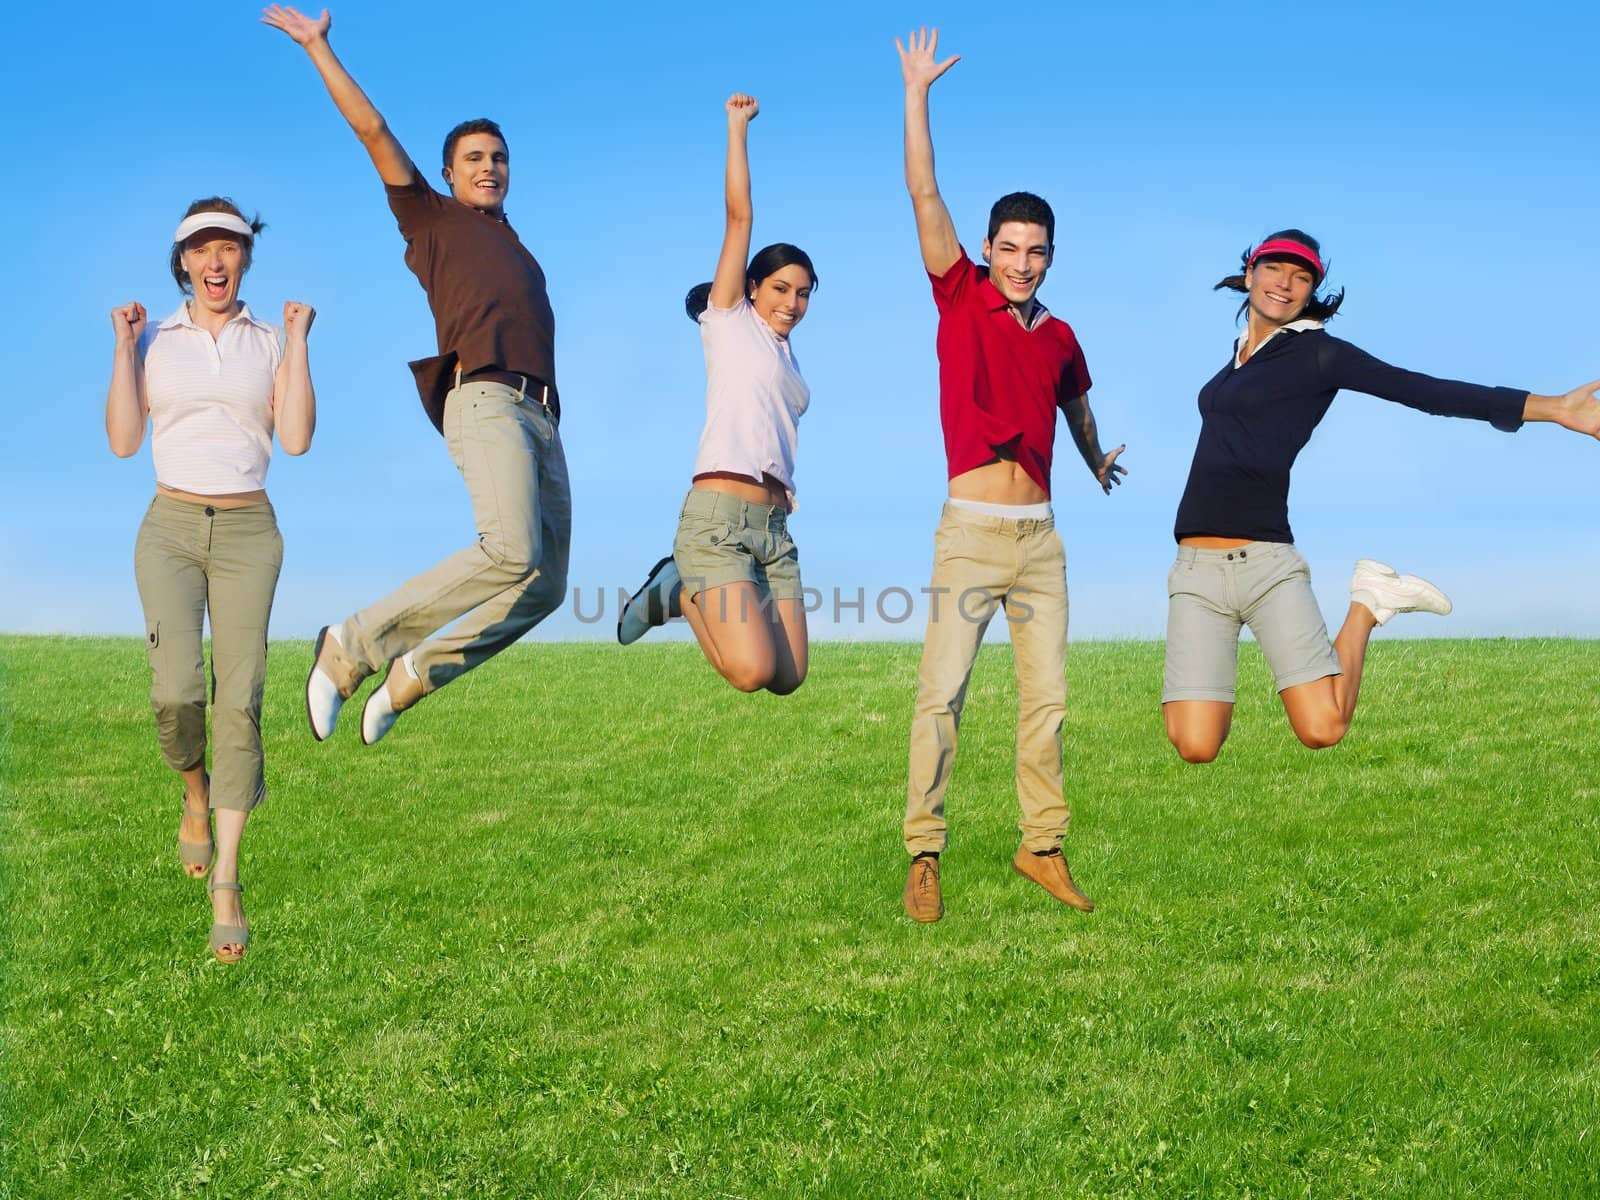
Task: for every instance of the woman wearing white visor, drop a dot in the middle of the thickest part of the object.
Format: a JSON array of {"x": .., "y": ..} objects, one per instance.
[{"x": 213, "y": 383}]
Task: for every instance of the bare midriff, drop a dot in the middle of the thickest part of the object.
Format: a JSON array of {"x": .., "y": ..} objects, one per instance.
[
  {"x": 1205, "y": 541},
  {"x": 1000, "y": 482},
  {"x": 767, "y": 491},
  {"x": 233, "y": 500}
]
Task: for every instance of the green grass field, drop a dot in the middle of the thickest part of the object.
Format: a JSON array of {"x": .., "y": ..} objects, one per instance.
[{"x": 591, "y": 924}]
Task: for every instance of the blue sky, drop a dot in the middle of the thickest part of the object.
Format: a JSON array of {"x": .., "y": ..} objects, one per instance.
[{"x": 1446, "y": 155}]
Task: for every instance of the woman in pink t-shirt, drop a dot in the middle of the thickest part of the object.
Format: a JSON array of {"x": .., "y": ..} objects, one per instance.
[{"x": 734, "y": 573}]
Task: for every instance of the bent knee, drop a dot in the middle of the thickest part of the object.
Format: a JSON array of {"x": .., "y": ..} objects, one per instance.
[
  {"x": 1321, "y": 734},
  {"x": 1196, "y": 750},
  {"x": 786, "y": 685},
  {"x": 746, "y": 681},
  {"x": 748, "y": 677},
  {"x": 552, "y": 582}
]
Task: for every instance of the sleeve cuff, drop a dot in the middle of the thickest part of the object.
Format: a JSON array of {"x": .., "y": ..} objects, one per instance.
[{"x": 1509, "y": 405}]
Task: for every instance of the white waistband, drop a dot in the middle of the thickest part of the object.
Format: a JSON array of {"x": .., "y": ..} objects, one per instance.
[{"x": 1016, "y": 512}]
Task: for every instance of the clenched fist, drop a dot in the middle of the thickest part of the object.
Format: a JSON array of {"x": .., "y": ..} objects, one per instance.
[
  {"x": 297, "y": 319},
  {"x": 128, "y": 320}
]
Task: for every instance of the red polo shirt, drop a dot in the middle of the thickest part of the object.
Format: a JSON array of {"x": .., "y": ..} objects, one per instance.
[{"x": 1000, "y": 384}]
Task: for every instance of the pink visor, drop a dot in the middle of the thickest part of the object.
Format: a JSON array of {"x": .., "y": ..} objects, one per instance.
[{"x": 1289, "y": 246}]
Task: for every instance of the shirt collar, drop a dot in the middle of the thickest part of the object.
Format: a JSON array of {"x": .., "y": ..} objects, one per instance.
[
  {"x": 181, "y": 318},
  {"x": 1300, "y": 326},
  {"x": 995, "y": 301}
]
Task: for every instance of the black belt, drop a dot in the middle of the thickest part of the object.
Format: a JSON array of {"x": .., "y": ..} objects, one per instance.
[{"x": 530, "y": 385}]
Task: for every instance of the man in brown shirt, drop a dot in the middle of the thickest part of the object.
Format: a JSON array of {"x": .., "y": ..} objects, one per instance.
[{"x": 491, "y": 390}]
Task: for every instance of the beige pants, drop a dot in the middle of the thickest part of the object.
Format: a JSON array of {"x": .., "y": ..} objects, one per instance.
[
  {"x": 981, "y": 563},
  {"x": 190, "y": 557},
  {"x": 506, "y": 447}
]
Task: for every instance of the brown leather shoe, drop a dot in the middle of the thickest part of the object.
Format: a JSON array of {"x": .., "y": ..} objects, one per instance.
[
  {"x": 922, "y": 899},
  {"x": 1050, "y": 872}
]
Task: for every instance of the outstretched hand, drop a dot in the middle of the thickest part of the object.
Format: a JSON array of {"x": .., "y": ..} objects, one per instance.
[
  {"x": 1108, "y": 471},
  {"x": 297, "y": 319},
  {"x": 742, "y": 107},
  {"x": 1579, "y": 409},
  {"x": 296, "y": 24},
  {"x": 128, "y": 320},
  {"x": 918, "y": 62}
]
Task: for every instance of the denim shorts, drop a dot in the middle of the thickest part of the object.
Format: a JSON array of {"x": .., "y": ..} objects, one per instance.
[
  {"x": 1211, "y": 594},
  {"x": 722, "y": 539}
]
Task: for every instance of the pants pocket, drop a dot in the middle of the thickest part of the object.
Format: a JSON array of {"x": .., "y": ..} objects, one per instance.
[{"x": 1177, "y": 577}]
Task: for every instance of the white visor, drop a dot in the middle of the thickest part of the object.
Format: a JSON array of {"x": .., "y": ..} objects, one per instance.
[{"x": 212, "y": 220}]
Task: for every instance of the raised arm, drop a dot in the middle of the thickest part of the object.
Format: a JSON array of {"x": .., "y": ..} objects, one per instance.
[
  {"x": 393, "y": 163},
  {"x": 935, "y": 231},
  {"x": 1080, "y": 420},
  {"x": 126, "y": 409},
  {"x": 294, "y": 400},
  {"x": 727, "y": 286}
]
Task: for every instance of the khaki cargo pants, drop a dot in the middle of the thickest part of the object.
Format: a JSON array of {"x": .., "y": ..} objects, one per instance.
[{"x": 190, "y": 558}]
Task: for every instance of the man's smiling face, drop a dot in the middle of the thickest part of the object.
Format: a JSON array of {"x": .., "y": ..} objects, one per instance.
[
  {"x": 1018, "y": 256},
  {"x": 480, "y": 172}
]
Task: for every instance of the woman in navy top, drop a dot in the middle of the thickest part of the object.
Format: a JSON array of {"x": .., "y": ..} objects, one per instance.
[{"x": 1237, "y": 564}]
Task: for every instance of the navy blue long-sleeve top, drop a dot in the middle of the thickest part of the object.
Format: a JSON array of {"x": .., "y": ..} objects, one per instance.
[{"x": 1255, "y": 420}]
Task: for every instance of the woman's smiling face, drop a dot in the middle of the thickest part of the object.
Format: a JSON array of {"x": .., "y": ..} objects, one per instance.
[
  {"x": 215, "y": 261},
  {"x": 781, "y": 299},
  {"x": 1279, "y": 291}
]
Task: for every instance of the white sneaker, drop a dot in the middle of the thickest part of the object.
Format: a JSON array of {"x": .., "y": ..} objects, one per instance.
[
  {"x": 323, "y": 698},
  {"x": 651, "y": 605},
  {"x": 379, "y": 714},
  {"x": 1385, "y": 593}
]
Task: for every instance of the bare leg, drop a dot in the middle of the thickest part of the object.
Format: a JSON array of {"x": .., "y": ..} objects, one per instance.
[
  {"x": 790, "y": 644},
  {"x": 196, "y": 813},
  {"x": 225, "y": 905},
  {"x": 736, "y": 634},
  {"x": 1197, "y": 728},
  {"x": 1321, "y": 711}
]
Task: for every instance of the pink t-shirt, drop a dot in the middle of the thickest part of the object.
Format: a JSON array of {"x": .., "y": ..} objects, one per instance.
[{"x": 754, "y": 397}]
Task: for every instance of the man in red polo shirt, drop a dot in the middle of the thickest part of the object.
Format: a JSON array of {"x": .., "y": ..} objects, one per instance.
[{"x": 1005, "y": 366}]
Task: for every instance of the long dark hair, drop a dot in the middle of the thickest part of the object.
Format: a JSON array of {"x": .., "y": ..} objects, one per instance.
[
  {"x": 768, "y": 260},
  {"x": 214, "y": 204},
  {"x": 1318, "y": 308}
]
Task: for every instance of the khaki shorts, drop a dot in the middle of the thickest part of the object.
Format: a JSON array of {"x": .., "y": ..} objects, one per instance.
[
  {"x": 722, "y": 539},
  {"x": 1211, "y": 594}
]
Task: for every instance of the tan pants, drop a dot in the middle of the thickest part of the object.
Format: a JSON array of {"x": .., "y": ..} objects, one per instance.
[
  {"x": 190, "y": 557},
  {"x": 981, "y": 563},
  {"x": 506, "y": 447}
]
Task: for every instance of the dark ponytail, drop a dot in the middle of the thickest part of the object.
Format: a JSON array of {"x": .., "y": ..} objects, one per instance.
[{"x": 697, "y": 301}]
